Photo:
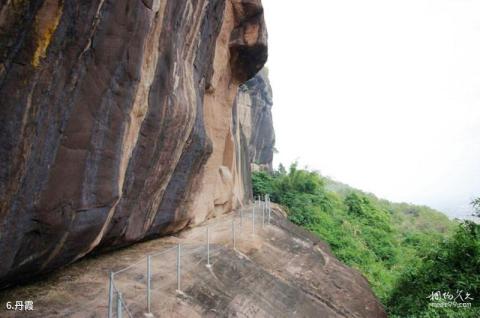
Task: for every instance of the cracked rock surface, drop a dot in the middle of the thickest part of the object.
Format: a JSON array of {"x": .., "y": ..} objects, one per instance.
[
  {"x": 281, "y": 271},
  {"x": 116, "y": 122}
]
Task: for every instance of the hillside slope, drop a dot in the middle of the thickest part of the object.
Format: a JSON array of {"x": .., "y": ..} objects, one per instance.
[
  {"x": 381, "y": 239},
  {"x": 406, "y": 216},
  {"x": 282, "y": 271}
]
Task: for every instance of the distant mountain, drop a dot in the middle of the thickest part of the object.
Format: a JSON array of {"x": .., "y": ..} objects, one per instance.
[{"x": 404, "y": 215}]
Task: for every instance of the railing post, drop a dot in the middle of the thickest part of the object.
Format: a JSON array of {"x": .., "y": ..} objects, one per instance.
[
  {"x": 269, "y": 211},
  {"x": 110, "y": 296},
  {"x": 149, "y": 275},
  {"x": 253, "y": 220},
  {"x": 178, "y": 267},
  {"x": 263, "y": 213},
  {"x": 233, "y": 233},
  {"x": 266, "y": 206},
  {"x": 208, "y": 247},
  {"x": 119, "y": 305}
]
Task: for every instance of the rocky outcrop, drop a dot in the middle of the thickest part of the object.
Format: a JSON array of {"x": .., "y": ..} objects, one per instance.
[
  {"x": 116, "y": 122},
  {"x": 281, "y": 271},
  {"x": 254, "y": 109}
]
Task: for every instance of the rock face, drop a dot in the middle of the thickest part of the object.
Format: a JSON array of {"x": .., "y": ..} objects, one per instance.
[
  {"x": 254, "y": 108},
  {"x": 116, "y": 122},
  {"x": 281, "y": 271}
]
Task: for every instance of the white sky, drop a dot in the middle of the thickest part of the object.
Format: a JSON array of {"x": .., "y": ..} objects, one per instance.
[{"x": 383, "y": 95}]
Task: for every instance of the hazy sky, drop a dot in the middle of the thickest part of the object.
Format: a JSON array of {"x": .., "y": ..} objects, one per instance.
[{"x": 383, "y": 95}]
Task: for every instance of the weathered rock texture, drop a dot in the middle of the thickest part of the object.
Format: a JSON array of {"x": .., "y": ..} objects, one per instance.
[
  {"x": 116, "y": 122},
  {"x": 282, "y": 271},
  {"x": 254, "y": 109}
]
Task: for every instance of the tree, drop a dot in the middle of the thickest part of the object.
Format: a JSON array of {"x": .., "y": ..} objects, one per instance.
[{"x": 476, "y": 206}]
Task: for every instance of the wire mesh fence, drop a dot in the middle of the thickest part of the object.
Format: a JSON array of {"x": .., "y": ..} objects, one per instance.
[{"x": 132, "y": 288}]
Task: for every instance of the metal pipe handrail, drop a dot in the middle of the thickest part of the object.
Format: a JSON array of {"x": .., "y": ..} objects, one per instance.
[
  {"x": 163, "y": 252},
  {"x": 266, "y": 210},
  {"x": 124, "y": 305},
  {"x": 129, "y": 266}
]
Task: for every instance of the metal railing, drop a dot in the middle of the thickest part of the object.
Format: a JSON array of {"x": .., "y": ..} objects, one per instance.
[{"x": 116, "y": 299}]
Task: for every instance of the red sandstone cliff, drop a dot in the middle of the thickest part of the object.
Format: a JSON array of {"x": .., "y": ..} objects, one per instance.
[{"x": 116, "y": 122}]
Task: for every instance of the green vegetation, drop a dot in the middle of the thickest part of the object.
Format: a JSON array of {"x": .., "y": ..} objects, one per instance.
[
  {"x": 452, "y": 266},
  {"x": 476, "y": 205},
  {"x": 407, "y": 252}
]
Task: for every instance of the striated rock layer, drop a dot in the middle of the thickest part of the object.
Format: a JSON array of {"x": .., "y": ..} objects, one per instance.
[
  {"x": 281, "y": 271},
  {"x": 254, "y": 108},
  {"x": 116, "y": 122}
]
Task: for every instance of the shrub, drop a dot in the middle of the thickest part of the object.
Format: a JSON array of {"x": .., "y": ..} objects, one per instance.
[{"x": 405, "y": 251}]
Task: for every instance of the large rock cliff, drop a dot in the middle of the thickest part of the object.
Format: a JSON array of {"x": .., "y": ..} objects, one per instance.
[
  {"x": 254, "y": 108},
  {"x": 116, "y": 122}
]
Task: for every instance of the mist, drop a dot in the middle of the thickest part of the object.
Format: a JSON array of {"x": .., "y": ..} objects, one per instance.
[{"x": 382, "y": 95}]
